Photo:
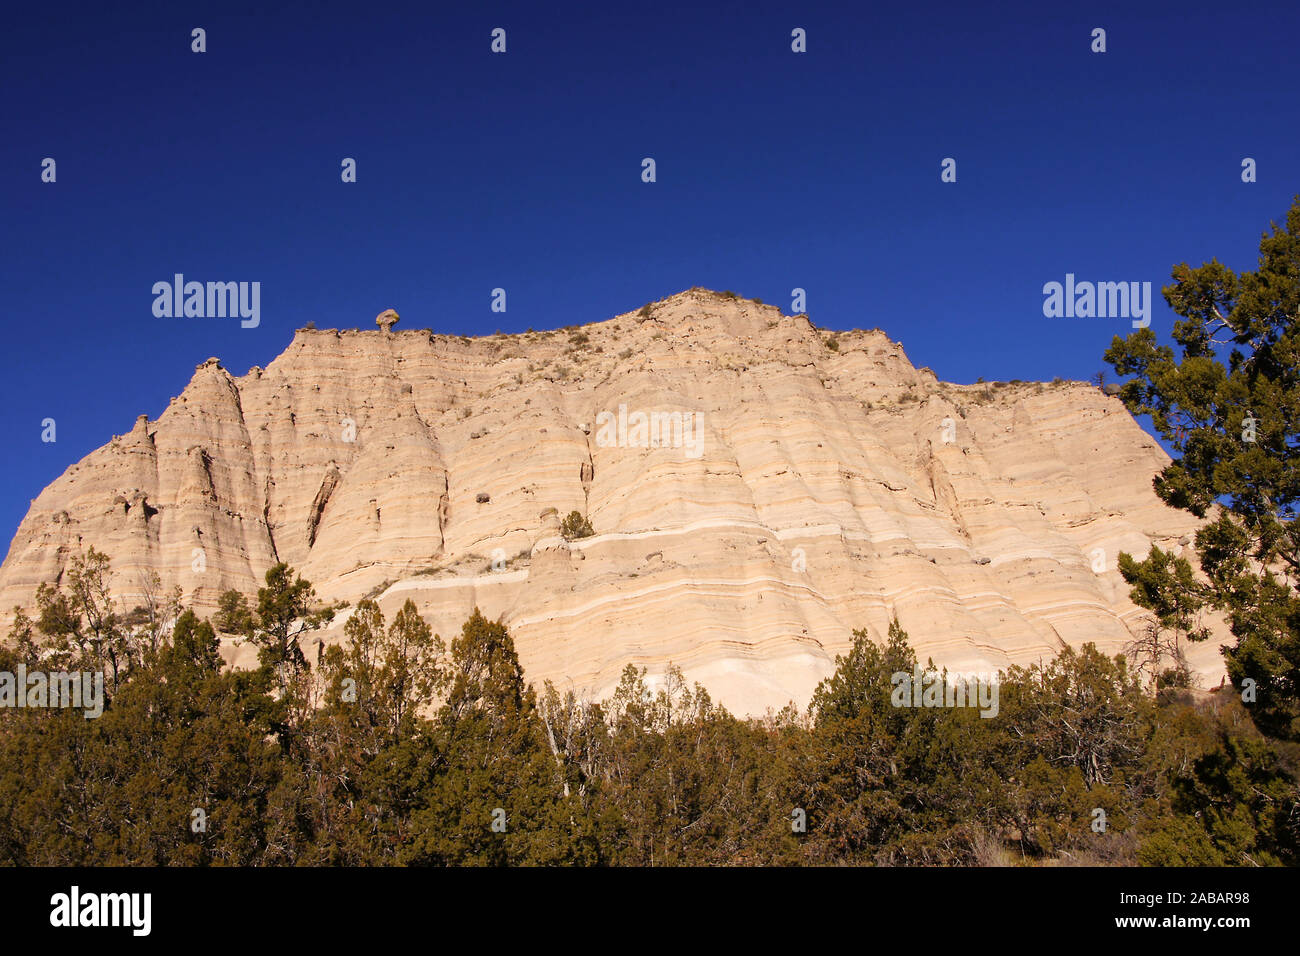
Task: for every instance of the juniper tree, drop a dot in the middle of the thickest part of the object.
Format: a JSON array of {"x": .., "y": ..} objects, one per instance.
[
  {"x": 369, "y": 746},
  {"x": 80, "y": 622},
  {"x": 177, "y": 770},
  {"x": 286, "y": 611},
  {"x": 1228, "y": 402},
  {"x": 495, "y": 793}
]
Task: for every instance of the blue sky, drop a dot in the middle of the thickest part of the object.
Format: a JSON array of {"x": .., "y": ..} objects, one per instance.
[{"x": 523, "y": 171}]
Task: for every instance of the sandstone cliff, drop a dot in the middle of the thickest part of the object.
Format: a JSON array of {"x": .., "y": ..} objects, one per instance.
[{"x": 827, "y": 485}]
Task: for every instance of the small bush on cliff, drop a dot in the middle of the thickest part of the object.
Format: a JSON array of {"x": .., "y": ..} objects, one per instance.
[{"x": 576, "y": 526}]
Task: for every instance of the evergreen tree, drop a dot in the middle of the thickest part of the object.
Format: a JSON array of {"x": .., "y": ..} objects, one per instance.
[
  {"x": 495, "y": 791},
  {"x": 177, "y": 770},
  {"x": 405, "y": 752},
  {"x": 854, "y": 806},
  {"x": 1229, "y": 403},
  {"x": 286, "y": 612},
  {"x": 81, "y": 624}
]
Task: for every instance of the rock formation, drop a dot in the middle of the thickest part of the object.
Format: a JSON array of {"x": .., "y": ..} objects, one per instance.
[{"x": 768, "y": 488}]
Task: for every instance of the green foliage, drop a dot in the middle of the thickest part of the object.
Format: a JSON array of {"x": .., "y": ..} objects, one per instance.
[
  {"x": 576, "y": 526},
  {"x": 286, "y": 612},
  {"x": 1228, "y": 401},
  {"x": 82, "y": 625},
  {"x": 1166, "y": 585},
  {"x": 181, "y": 734},
  {"x": 403, "y": 750}
]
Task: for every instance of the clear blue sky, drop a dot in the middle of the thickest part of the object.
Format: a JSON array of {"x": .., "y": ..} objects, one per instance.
[{"x": 523, "y": 171}]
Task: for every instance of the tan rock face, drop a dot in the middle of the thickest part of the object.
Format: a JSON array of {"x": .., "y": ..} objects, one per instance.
[{"x": 755, "y": 495}]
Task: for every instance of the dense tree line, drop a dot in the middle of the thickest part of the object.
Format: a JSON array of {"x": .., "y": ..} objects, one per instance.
[{"x": 394, "y": 748}]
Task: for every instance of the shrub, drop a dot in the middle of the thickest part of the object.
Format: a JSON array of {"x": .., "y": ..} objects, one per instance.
[{"x": 576, "y": 526}]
